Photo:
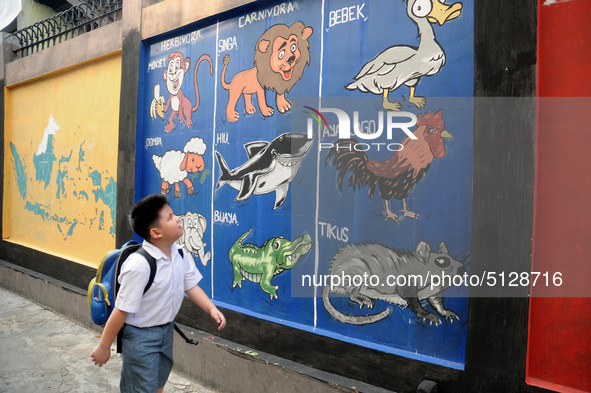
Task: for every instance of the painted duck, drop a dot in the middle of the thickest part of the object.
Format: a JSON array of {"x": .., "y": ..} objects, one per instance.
[{"x": 402, "y": 64}]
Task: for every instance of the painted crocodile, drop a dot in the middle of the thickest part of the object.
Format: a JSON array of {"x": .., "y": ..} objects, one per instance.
[{"x": 261, "y": 264}]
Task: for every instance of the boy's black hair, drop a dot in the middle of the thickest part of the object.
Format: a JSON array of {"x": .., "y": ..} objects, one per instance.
[{"x": 146, "y": 213}]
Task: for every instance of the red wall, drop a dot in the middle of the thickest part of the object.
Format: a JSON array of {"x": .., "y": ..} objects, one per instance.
[{"x": 559, "y": 342}]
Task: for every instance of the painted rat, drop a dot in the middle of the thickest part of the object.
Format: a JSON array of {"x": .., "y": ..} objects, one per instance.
[{"x": 390, "y": 265}]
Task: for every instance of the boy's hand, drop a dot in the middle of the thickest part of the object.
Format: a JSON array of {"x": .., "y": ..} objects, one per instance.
[
  {"x": 199, "y": 297},
  {"x": 218, "y": 317},
  {"x": 102, "y": 352},
  {"x": 100, "y": 355}
]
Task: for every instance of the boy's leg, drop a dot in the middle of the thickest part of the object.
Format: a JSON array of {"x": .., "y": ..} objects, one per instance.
[
  {"x": 166, "y": 360},
  {"x": 144, "y": 363}
]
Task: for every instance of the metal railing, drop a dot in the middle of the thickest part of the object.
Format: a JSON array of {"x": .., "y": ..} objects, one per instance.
[{"x": 87, "y": 16}]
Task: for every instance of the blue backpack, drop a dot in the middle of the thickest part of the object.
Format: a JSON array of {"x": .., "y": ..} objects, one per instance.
[{"x": 102, "y": 290}]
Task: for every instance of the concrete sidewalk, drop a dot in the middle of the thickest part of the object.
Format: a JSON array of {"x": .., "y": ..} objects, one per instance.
[{"x": 41, "y": 351}]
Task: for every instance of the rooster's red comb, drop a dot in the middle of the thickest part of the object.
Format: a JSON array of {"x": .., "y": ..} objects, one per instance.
[{"x": 434, "y": 120}]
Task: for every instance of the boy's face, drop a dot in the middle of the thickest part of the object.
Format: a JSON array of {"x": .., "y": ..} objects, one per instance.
[{"x": 169, "y": 224}]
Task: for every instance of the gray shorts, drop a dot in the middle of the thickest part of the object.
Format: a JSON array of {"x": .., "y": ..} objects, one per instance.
[{"x": 147, "y": 358}]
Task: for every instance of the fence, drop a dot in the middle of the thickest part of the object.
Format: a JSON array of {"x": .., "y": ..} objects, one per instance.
[{"x": 77, "y": 20}]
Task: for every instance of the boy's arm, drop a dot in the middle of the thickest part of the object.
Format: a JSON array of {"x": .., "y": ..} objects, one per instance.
[
  {"x": 102, "y": 352},
  {"x": 200, "y": 298}
]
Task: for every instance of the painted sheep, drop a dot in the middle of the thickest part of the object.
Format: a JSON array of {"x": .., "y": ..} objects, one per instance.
[{"x": 174, "y": 166}]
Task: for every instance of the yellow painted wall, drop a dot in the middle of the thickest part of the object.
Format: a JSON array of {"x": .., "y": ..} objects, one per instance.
[{"x": 60, "y": 161}]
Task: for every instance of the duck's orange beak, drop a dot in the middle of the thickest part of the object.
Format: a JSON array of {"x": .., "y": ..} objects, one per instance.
[{"x": 441, "y": 13}]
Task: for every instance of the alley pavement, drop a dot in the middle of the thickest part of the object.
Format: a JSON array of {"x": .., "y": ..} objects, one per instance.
[{"x": 41, "y": 351}]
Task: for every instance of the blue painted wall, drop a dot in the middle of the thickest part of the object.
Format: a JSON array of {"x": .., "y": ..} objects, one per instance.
[{"x": 333, "y": 216}]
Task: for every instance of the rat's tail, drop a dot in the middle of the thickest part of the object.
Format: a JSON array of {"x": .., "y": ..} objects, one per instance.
[{"x": 351, "y": 319}]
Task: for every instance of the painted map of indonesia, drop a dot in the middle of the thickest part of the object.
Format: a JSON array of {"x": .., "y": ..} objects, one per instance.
[
  {"x": 44, "y": 158},
  {"x": 43, "y": 162}
]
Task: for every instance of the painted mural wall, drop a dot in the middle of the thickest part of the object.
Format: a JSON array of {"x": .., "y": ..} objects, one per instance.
[
  {"x": 61, "y": 161},
  {"x": 320, "y": 154}
]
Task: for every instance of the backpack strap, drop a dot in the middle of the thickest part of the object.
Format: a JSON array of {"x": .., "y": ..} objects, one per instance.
[
  {"x": 187, "y": 340},
  {"x": 152, "y": 262},
  {"x": 178, "y": 330}
]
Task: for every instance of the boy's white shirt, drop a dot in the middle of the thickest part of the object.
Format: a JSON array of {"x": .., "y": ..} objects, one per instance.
[{"x": 160, "y": 304}]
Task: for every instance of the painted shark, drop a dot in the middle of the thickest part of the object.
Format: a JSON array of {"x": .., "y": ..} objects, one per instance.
[{"x": 271, "y": 166}]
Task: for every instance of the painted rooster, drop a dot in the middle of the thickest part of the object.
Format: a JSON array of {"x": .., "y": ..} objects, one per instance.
[{"x": 397, "y": 176}]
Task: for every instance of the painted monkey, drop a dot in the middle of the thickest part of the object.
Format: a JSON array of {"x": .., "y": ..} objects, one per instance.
[{"x": 174, "y": 75}]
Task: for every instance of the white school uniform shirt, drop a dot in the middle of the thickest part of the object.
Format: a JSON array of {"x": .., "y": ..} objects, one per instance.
[{"x": 160, "y": 304}]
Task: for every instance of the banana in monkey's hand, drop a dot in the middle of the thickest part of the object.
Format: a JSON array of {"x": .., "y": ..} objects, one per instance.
[
  {"x": 156, "y": 108},
  {"x": 156, "y": 104}
]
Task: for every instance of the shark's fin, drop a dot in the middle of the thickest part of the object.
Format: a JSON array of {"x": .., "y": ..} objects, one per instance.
[
  {"x": 253, "y": 148},
  {"x": 280, "y": 195},
  {"x": 225, "y": 170},
  {"x": 247, "y": 188}
]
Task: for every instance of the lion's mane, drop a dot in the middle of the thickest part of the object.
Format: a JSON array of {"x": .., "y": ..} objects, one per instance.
[{"x": 262, "y": 61}]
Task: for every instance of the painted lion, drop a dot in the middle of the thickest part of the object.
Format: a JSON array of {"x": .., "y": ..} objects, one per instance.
[{"x": 281, "y": 55}]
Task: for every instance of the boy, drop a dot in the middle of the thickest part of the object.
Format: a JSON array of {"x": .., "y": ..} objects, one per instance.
[{"x": 147, "y": 319}]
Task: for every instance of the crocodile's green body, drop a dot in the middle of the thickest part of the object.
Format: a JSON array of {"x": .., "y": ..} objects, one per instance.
[{"x": 261, "y": 264}]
